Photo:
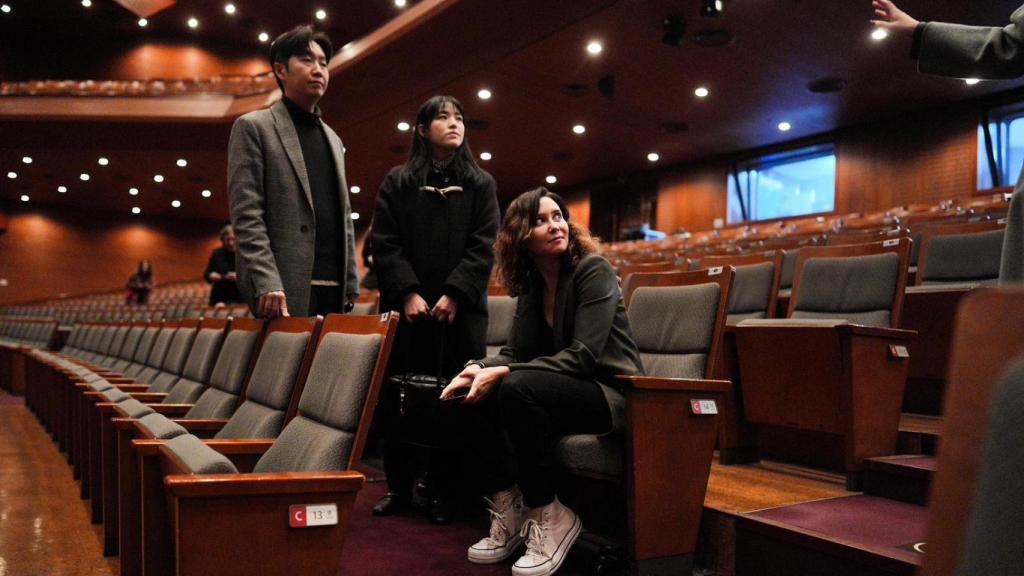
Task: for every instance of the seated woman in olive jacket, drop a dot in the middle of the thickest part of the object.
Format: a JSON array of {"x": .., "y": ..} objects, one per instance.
[{"x": 569, "y": 340}]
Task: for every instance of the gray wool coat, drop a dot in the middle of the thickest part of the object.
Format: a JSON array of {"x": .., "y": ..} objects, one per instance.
[
  {"x": 993, "y": 53},
  {"x": 272, "y": 209}
]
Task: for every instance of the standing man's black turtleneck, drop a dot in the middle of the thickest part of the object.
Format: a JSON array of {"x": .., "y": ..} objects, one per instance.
[{"x": 323, "y": 185}]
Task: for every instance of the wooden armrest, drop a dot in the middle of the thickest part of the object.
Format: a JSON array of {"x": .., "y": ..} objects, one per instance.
[
  {"x": 201, "y": 424},
  {"x": 148, "y": 446},
  {"x": 133, "y": 387},
  {"x": 119, "y": 380},
  {"x": 149, "y": 396},
  {"x": 170, "y": 410},
  {"x": 678, "y": 384},
  {"x": 279, "y": 483},
  {"x": 123, "y": 423},
  {"x": 893, "y": 333},
  {"x": 248, "y": 446}
]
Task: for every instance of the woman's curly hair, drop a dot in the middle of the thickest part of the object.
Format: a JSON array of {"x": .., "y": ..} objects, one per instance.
[{"x": 515, "y": 265}]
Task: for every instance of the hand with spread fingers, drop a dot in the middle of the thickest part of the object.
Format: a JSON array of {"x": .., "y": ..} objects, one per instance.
[{"x": 891, "y": 18}]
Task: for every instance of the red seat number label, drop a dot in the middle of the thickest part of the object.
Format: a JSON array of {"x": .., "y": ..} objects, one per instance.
[
  {"x": 703, "y": 407},
  {"x": 306, "y": 515}
]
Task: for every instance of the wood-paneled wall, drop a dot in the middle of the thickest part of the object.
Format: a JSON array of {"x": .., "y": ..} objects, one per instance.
[
  {"x": 50, "y": 252},
  {"x": 921, "y": 158}
]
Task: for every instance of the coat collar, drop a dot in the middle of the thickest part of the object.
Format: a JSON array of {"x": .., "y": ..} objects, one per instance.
[{"x": 290, "y": 141}]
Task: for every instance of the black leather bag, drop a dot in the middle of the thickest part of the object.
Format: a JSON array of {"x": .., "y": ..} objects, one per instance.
[{"x": 414, "y": 401}]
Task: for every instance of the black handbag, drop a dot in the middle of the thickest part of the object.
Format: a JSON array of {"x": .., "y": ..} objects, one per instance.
[{"x": 415, "y": 400}]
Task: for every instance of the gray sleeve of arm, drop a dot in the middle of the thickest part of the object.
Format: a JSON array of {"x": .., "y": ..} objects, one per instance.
[
  {"x": 247, "y": 200},
  {"x": 973, "y": 51}
]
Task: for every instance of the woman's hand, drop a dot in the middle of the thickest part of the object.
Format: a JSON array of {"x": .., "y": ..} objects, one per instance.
[
  {"x": 463, "y": 380},
  {"x": 415, "y": 307},
  {"x": 444, "y": 310},
  {"x": 484, "y": 382}
]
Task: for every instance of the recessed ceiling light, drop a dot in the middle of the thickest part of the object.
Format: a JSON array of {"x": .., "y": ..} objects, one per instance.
[
  {"x": 579, "y": 129},
  {"x": 87, "y": 3},
  {"x": 971, "y": 81},
  {"x": 485, "y": 156},
  {"x": 355, "y": 189},
  {"x": 62, "y": 189},
  {"x": 103, "y": 161},
  {"x": 879, "y": 34},
  {"x": 181, "y": 162},
  {"x": 26, "y": 159},
  {"x": 702, "y": 92},
  {"x": 484, "y": 94},
  {"x": 5, "y": 8},
  {"x": 400, "y": 3},
  {"x": 321, "y": 14},
  {"x": 175, "y": 203},
  {"x": 24, "y": 198},
  {"x": 264, "y": 37},
  {"x": 229, "y": 8},
  {"x": 133, "y": 191},
  {"x": 136, "y": 210},
  {"x": 206, "y": 193},
  {"x": 404, "y": 126},
  {"x": 143, "y": 22},
  {"x": 12, "y": 175},
  {"x": 355, "y": 215},
  {"x": 653, "y": 156},
  {"x": 84, "y": 177},
  {"x": 193, "y": 23},
  {"x": 551, "y": 179},
  {"x": 785, "y": 126},
  {"x": 158, "y": 178},
  {"x": 594, "y": 47}
]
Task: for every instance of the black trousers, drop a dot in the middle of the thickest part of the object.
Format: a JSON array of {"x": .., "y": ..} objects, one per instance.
[
  {"x": 512, "y": 432},
  {"x": 324, "y": 300}
]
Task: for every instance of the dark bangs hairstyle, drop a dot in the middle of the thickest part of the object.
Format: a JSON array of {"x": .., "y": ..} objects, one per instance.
[
  {"x": 414, "y": 173},
  {"x": 515, "y": 264},
  {"x": 295, "y": 42}
]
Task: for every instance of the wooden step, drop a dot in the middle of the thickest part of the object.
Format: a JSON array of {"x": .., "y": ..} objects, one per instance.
[
  {"x": 905, "y": 477},
  {"x": 858, "y": 535},
  {"x": 919, "y": 434}
]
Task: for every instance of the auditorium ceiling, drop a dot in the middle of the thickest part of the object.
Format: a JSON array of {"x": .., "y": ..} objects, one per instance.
[{"x": 635, "y": 97}]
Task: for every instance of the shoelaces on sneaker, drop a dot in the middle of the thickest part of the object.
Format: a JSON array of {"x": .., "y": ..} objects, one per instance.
[
  {"x": 535, "y": 534},
  {"x": 499, "y": 530}
]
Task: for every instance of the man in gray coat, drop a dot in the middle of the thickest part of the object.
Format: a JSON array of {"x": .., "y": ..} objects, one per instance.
[
  {"x": 969, "y": 52},
  {"x": 287, "y": 192}
]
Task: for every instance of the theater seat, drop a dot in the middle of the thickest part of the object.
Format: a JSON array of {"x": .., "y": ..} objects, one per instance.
[
  {"x": 501, "y": 310},
  {"x": 660, "y": 460},
  {"x": 966, "y": 253},
  {"x": 309, "y": 464},
  {"x": 826, "y": 383}
]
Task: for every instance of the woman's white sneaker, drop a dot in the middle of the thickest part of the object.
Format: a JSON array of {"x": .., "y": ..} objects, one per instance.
[
  {"x": 550, "y": 532},
  {"x": 507, "y": 515}
]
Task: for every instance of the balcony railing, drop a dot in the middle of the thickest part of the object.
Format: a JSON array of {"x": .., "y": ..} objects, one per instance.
[{"x": 229, "y": 85}]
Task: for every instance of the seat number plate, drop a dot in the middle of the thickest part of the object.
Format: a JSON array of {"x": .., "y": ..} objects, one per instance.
[
  {"x": 898, "y": 351},
  {"x": 703, "y": 406},
  {"x": 306, "y": 515}
]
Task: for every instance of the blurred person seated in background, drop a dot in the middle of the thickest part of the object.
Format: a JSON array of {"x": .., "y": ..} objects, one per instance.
[{"x": 140, "y": 284}]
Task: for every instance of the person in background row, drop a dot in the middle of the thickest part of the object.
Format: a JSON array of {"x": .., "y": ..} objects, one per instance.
[
  {"x": 433, "y": 249},
  {"x": 962, "y": 51},
  {"x": 140, "y": 284},
  {"x": 287, "y": 192},
  {"x": 220, "y": 270},
  {"x": 556, "y": 376}
]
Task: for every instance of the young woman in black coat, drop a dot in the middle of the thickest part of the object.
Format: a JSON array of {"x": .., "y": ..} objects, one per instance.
[
  {"x": 433, "y": 248},
  {"x": 556, "y": 376}
]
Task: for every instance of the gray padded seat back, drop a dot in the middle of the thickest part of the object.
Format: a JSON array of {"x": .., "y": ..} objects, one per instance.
[
  {"x": 672, "y": 327},
  {"x": 321, "y": 436},
  {"x": 161, "y": 343},
  {"x": 992, "y": 538},
  {"x": 788, "y": 268},
  {"x": 120, "y": 333},
  {"x": 501, "y": 310},
  {"x": 860, "y": 289},
  {"x": 184, "y": 391},
  {"x": 963, "y": 258},
  {"x": 270, "y": 388},
  {"x": 221, "y": 397},
  {"x": 364, "y": 308},
  {"x": 178, "y": 351},
  {"x": 145, "y": 345},
  {"x": 198, "y": 457},
  {"x": 751, "y": 291},
  {"x": 160, "y": 426}
]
